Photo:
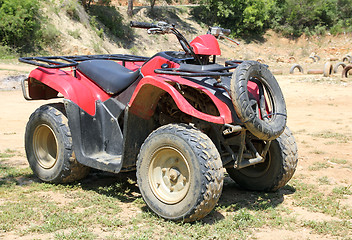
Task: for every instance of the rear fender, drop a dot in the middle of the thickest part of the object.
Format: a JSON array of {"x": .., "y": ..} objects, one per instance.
[
  {"x": 79, "y": 89},
  {"x": 149, "y": 90}
]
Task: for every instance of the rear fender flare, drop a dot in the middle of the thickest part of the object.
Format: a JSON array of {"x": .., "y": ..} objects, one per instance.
[
  {"x": 149, "y": 90},
  {"x": 79, "y": 89}
]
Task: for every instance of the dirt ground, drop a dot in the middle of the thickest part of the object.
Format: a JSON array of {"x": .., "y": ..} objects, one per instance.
[{"x": 319, "y": 115}]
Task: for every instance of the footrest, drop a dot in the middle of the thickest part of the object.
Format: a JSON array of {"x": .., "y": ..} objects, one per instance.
[{"x": 104, "y": 162}]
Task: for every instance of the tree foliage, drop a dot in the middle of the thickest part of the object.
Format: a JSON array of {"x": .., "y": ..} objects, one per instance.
[
  {"x": 18, "y": 22},
  {"x": 243, "y": 17},
  {"x": 291, "y": 17}
]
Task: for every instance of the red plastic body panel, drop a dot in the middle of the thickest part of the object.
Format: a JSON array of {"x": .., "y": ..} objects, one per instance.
[
  {"x": 155, "y": 63},
  {"x": 79, "y": 90},
  {"x": 206, "y": 45},
  {"x": 152, "y": 86},
  {"x": 253, "y": 89}
]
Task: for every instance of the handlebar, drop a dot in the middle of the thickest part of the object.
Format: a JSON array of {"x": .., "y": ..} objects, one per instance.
[
  {"x": 226, "y": 31},
  {"x": 165, "y": 28},
  {"x": 220, "y": 33},
  {"x": 142, "y": 25}
]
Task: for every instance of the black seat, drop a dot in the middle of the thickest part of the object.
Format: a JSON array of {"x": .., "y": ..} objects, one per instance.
[{"x": 109, "y": 75}]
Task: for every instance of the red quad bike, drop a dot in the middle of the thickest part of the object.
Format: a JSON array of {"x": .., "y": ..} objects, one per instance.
[{"x": 177, "y": 118}]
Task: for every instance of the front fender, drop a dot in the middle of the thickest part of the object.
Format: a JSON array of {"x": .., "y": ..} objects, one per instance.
[
  {"x": 79, "y": 89},
  {"x": 151, "y": 88}
]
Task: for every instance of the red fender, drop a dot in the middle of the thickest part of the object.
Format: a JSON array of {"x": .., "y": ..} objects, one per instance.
[
  {"x": 79, "y": 90},
  {"x": 150, "y": 89}
]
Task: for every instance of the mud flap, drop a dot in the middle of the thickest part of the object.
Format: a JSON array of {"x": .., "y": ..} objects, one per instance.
[{"x": 97, "y": 140}]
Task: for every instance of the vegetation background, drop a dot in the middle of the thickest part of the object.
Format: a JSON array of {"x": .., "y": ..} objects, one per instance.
[{"x": 24, "y": 28}]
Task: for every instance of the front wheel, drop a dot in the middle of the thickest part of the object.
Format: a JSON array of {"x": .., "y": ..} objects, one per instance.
[
  {"x": 179, "y": 173},
  {"x": 48, "y": 145},
  {"x": 277, "y": 169}
]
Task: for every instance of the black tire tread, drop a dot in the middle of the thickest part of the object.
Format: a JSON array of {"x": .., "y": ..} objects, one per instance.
[{"x": 290, "y": 154}]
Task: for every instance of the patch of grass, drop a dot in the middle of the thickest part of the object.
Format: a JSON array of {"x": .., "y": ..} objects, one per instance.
[
  {"x": 76, "y": 211},
  {"x": 76, "y": 34},
  {"x": 8, "y": 153},
  {"x": 338, "y": 160},
  {"x": 335, "y": 228},
  {"x": 324, "y": 180},
  {"x": 309, "y": 197},
  {"x": 341, "y": 137},
  {"x": 79, "y": 233},
  {"x": 318, "y": 166},
  {"x": 318, "y": 152},
  {"x": 342, "y": 190}
]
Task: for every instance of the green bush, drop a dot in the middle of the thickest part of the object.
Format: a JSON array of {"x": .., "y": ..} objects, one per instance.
[
  {"x": 290, "y": 17},
  {"x": 19, "y": 24},
  {"x": 6, "y": 52},
  {"x": 23, "y": 28},
  {"x": 301, "y": 16},
  {"x": 242, "y": 17}
]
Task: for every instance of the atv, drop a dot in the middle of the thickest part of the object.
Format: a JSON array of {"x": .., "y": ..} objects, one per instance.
[{"x": 178, "y": 119}]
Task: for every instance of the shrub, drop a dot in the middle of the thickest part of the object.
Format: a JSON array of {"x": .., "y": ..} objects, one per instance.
[
  {"x": 290, "y": 17},
  {"x": 19, "y": 24}
]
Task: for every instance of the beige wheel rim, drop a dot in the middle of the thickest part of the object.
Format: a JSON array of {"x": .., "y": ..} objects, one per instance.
[
  {"x": 45, "y": 146},
  {"x": 169, "y": 175}
]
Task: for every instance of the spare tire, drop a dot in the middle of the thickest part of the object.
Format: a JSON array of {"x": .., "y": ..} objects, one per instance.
[{"x": 265, "y": 117}]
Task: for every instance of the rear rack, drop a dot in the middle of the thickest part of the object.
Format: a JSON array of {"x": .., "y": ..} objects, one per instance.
[{"x": 72, "y": 61}]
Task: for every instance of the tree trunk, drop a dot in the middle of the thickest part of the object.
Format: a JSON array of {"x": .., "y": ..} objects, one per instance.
[
  {"x": 152, "y": 3},
  {"x": 130, "y": 8}
]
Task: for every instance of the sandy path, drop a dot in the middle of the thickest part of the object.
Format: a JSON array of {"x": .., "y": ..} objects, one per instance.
[{"x": 15, "y": 111}]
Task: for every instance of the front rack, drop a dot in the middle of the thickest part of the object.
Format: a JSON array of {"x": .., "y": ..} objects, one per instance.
[
  {"x": 72, "y": 61},
  {"x": 198, "y": 71}
]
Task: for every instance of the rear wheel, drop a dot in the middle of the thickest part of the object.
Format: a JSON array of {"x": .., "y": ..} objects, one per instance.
[
  {"x": 48, "y": 145},
  {"x": 278, "y": 168},
  {"x": 179, "y": 173}
]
